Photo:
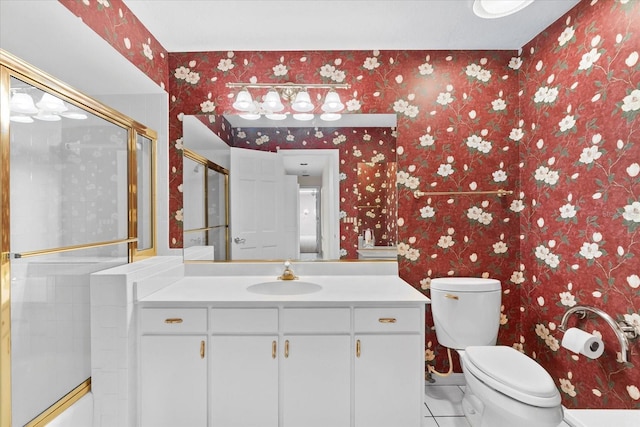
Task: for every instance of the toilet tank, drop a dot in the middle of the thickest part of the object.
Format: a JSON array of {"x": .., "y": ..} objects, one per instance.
[{"x": 466, "y": 311}]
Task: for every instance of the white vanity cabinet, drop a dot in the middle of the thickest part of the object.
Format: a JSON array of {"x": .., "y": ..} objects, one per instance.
[
  {"x": 316, "y": 367},
  {"x": 282, "y": 366},
  {"x": 244, "y": 367},
  {"x": 173, "y": 372},
  {"x": 386, "y": 367}
]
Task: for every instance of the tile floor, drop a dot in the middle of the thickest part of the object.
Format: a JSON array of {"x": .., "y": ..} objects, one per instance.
[{"x": 443, "y": 401}]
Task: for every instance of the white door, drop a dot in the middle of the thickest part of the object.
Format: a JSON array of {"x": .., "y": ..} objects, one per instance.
[
  {"x": 244, "y": 381},
  {"x": 389, "y": 381},
  {"x": 316, "y": 385},
  {"x": 256, "y": 181},
  {"x": 173, "y": 381}
]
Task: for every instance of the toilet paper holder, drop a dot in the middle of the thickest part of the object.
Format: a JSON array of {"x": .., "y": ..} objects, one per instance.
[{"x": 623, "y": 330}]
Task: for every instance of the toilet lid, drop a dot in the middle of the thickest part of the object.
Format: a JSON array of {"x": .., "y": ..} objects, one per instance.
[
  {"x": 512, "y": 373},
  {"x": 464, "y": 284}
]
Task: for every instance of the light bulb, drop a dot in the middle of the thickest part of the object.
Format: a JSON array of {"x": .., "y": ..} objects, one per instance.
[
  {"x": 302, "y": 103},
  {"x": 272, "y": 102},
  {"x": 332, "y": 103},
  {"x": 243, "y": 101}
]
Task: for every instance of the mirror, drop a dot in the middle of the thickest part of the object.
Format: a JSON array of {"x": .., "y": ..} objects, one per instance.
[{"x": 327, "y": 220}]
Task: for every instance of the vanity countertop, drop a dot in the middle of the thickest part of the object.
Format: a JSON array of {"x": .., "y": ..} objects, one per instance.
[{"x": 335, "y": 289}]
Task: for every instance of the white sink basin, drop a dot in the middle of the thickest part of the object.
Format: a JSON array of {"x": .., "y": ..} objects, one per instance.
[{"x": 284, "y": 287}]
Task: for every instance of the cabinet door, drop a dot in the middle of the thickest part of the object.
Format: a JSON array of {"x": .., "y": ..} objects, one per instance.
[
  {"x": 244, "y": 381},
  {"x": 316, "y": 381},
  {"x": 389, "y": 380},
  {"x": 173, "y": 381}
]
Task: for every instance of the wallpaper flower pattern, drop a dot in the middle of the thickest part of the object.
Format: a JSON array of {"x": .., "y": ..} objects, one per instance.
[
  {"x": 114, "y": 22},
  {"x": 458, "y": 130},
  {"x": 558, "y": 124},
  {"x": 579, "y": 204}
]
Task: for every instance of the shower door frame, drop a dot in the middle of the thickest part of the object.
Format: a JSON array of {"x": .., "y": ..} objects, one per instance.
[{"x": 11, "y": 66}]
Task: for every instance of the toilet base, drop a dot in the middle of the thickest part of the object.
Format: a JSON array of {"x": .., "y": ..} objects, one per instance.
[{"x": 495, "y": 409}]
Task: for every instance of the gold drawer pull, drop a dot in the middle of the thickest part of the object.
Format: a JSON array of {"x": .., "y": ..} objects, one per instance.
[
  {"x": 274, "y": 348},
  {"x": 451, "y": 296},
  {"x": 358, "y": 348},
  {"x": 201, "y": 349},
  {"x": 173, "y": 320},
  {"x": 387, "y": 320},
  {"x": 286, "y": 349}
]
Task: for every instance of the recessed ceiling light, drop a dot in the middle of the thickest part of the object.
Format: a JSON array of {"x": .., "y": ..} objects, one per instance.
[{"x": 498, "y": 8}]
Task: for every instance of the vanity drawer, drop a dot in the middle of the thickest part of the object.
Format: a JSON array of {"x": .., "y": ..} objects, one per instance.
[
  {"x": 239, "y": 320},
  {"x": 387, "y": 319},
  {"x": 173, "y": 320},
  {"x": 321, "y": 320}
]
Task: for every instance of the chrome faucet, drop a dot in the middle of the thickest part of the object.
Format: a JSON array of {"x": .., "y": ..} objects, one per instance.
[{"x": 287, "y": 274}]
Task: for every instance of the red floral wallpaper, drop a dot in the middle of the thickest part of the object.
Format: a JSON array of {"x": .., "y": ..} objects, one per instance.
[
  {"x": 114, "y": 22},
  {"x": 458, "y": 130},
  {"x": 558, "y": 124},
  {"x": 579, "y": 204}
]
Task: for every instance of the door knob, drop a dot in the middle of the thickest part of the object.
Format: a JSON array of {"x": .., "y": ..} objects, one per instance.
[{"x": 239, "y": 241}]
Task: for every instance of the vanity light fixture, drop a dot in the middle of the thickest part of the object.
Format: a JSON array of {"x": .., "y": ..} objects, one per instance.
[
  {"x": 22, "y": 103},
  {"x": 332, "y": 103},
  {"x": 276, "y": 116},
  {"x": 272, "y": 102},
  {"x": 303, "y": 117},
  {"x": 302, "y": 102},
  {"x": 298, "y": 95},
  {"x": 47, "y": 116},
  {"x": 330, "y": 117},
  {"x": 49, "y": 108},
  {"x": 243, "y": 101},
  {"x": 51, "y": 103},
  {"x": 250, "y": 116},
  {"x": 74, "y": 114},
  {"x": 20, "y": 118},
  {"x": 491, "y": 9}
]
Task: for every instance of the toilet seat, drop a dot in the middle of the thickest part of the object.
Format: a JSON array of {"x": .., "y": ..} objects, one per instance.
[{"x": 513, "y": 374}]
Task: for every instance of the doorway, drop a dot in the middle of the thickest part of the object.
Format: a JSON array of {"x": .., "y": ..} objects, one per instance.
[
  {"x": 318, "y": 168},
  {"x": 310, "y": 223}
]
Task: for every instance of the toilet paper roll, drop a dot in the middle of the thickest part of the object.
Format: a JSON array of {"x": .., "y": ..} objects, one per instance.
[{"x": 579, "y": 341}]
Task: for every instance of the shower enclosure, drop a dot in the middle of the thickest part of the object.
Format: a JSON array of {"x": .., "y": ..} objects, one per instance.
[{"x": 77, "y": 182}]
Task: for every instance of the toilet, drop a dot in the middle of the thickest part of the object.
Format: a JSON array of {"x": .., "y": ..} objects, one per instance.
[{"x": 505, "y": 388}]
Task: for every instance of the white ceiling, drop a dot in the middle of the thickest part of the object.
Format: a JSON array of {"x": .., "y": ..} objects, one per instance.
[{"x": 216, "y": 25}]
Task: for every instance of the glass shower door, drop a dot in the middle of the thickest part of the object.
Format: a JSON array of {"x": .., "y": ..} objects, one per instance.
[{"x": 68, "y": 218}]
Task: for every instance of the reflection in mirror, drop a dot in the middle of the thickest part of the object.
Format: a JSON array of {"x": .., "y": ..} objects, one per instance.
[
  {"x": 205, "y": 217},
  {"x": 145, "y": 175},
  {"x": 377, "y": 210},
  {"x": 361, "y": 138}
]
